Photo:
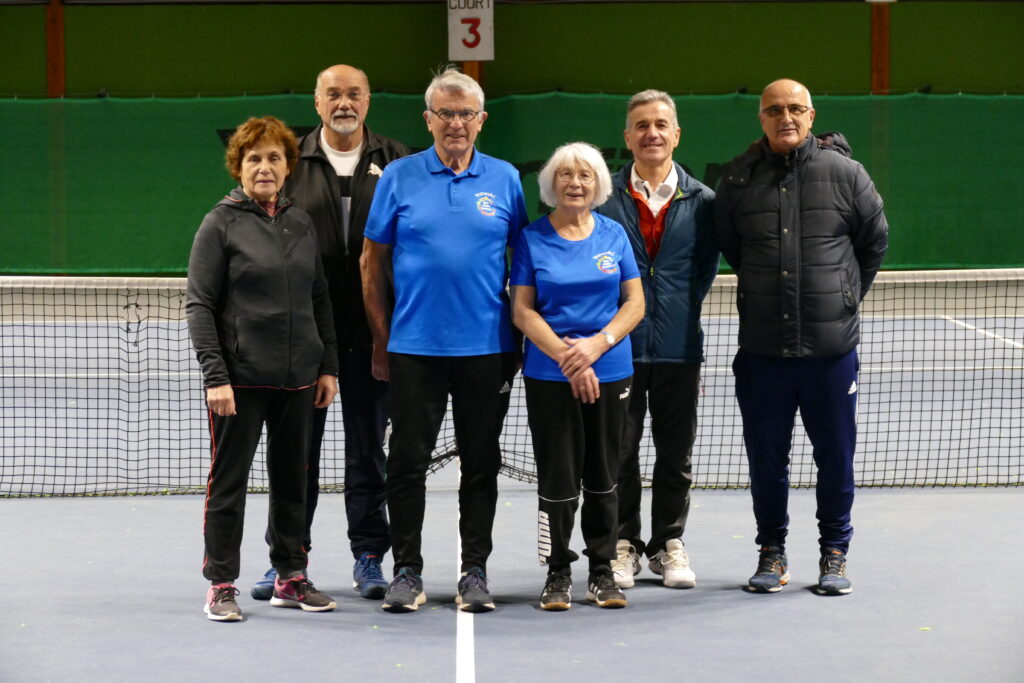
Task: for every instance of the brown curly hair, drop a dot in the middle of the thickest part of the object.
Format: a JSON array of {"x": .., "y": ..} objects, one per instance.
[{"x": 255, "y": 131}]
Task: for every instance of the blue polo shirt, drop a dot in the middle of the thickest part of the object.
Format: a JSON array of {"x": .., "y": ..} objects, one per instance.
[
  {"x": 449, "y": 235},
  {"x": 578, "y": 287}
]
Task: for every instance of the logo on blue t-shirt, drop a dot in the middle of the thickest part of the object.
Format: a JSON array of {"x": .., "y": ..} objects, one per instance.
[
  {"x": 607, "y": 262},
  {"x": 485, "y": 203}
]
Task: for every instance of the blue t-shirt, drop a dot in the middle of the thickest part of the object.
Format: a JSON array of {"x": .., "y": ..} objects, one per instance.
[
  {"x": 449, "y": 235},
  {"x": 578, "y": 290}
]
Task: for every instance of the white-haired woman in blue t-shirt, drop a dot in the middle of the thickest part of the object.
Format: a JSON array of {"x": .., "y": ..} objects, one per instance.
[{"x": 577, "y": 296}]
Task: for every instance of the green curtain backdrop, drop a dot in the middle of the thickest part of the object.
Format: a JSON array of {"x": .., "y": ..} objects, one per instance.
[{"x": 113, "y": 186}]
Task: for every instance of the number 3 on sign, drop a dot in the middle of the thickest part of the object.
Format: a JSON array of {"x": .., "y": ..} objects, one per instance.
[
  {"x": 474, "y": 31},
  {"x": 470, "y": 30}
]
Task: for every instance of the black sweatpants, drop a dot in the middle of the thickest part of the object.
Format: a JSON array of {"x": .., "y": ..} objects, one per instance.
[
  {"x": 233, "y": 441},
  {"x": 576, "y": 446},
  {"x": 480, "y": 387},
  {"x": 670, "y": 391}
]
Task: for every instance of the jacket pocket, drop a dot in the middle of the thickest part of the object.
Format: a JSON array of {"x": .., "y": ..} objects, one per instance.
[{"x": 849, "y": 296}]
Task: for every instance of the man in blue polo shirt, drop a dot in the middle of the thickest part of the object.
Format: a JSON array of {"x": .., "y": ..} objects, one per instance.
[{"x": 443, "y": 220}]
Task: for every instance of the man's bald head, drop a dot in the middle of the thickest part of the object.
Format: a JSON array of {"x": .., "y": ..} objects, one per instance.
[
  {"x": 786, "y": 114},
  {"x": 342, "y": 99}
]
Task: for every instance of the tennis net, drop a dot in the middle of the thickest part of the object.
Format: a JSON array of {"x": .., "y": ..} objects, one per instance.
[{"x": 101, "y": 393}]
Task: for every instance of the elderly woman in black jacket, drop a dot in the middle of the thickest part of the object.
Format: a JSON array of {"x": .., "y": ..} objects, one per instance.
[{"x": 259, "y": 316}]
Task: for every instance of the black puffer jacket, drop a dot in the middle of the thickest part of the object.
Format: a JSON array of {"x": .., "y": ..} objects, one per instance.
[
  {"x": 259, "y": 315},
  {"x": 805, "y": 234},
  {"x": 314, "y": 187}
]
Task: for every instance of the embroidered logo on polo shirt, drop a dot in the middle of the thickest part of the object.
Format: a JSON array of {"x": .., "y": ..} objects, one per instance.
[
  {"x": 607, "y": 263},
  {"x": 485, "y": 203},
  {"x": 374, "y": 170}
]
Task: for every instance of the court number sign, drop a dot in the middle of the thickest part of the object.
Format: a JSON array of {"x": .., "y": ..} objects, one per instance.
[{"x": 470, "y": 30}]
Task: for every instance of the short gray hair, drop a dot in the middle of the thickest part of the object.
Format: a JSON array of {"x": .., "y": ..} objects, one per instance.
[
  {"x": 452, "y": 80},
  {"x": 575, "y": 155},
  {"x": 646, "y": 97}
]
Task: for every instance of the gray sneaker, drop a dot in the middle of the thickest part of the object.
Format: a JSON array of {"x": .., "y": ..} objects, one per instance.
[
  {"x": 405, "y": 594},
  {"x": 473, "y": 595},
  {"x": 772, "y": 571},
  {"x": 832, "y": 580},
  {"x": 220, "y": 603}
]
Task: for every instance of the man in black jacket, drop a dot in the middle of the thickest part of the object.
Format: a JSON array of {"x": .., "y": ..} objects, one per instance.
[
  {"x": 340, "y": 163},
  {"x": 802, "y": 225}
]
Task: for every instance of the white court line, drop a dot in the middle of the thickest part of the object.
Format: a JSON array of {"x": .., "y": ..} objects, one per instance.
[
  {"x": 465, "y": 650},
  {"x": 979, "y": 330}
]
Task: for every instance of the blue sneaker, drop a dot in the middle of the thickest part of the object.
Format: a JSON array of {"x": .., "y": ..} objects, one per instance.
[
  {"x": 367, "y": 577},
  {"x": 405, "y": 593},
  {"x": 772, "y": 571},
  {"x": 832, "y": 580},
  {"x": 264, "y": 588}
]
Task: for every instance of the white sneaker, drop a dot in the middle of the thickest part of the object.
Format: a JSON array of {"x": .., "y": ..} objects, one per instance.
[
  {"x": 673, "y": 565},
  {"x": 626, "y": 564}
]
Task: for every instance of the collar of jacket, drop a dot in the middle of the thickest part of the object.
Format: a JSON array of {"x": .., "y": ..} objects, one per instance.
[
  {"x": 685, "y": 185},
  {"x": 309, "y": 145},
  {"x": 238, "y": 199}
]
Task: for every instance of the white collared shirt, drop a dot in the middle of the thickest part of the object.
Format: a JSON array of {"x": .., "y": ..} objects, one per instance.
[{"x": 658, "y": 196}]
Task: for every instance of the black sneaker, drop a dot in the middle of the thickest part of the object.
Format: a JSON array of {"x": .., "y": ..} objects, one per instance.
[
  {"x": 832, "y": 580},
  {"x": 557, "y": 595},
  {"x": 602, "y": 589},
  {"x": 298, "y": 591},
  {"x": 772, "y": 571},
  {"x": 405, "y": 594},
  {"x": 473, "y": 595},
  {"x": 220, "y": 603}
]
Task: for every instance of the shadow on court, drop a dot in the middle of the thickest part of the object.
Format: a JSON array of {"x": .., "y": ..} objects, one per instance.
[{"x": 110, "y": 589}]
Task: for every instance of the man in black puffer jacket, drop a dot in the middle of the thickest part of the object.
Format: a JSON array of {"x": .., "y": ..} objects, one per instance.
[{"x": 802, "y": 225}]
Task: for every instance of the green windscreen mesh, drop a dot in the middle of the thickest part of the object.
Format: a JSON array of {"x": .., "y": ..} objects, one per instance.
[{"x": 119, "y": 186}]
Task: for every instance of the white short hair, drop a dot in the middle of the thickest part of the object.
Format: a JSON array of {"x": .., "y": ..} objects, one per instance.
[
  {"x": 452, "y": 80},
  {"x": 575, "y": 155}
]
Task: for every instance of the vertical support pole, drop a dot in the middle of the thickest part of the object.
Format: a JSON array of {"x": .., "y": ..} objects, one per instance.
[
  {"x": 880, "y": 48},
  {"x": 56, "y": 84},
  {"x": 474, "y": 70}
]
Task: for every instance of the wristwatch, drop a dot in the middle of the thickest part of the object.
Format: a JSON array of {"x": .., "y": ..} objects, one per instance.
[{"x": 609, "y": 337}]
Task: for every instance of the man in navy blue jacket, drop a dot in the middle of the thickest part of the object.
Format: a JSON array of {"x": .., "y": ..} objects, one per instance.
[{"x": 669, "y": 219}]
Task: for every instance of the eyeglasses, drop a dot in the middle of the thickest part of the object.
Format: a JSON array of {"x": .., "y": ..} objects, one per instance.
[
  {"x": 776, "y": 110},
  {"x": 447, "y": 115},
  {"x": 585, "y": 177}
]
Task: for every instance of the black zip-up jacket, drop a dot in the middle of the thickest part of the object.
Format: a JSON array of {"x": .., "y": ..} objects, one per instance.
[
  {"x": 806, "y": 235},
  {"x": 314, "y": 187},
  {"x": 679, "y": 277},
  {"x": 259, "y": 315}
]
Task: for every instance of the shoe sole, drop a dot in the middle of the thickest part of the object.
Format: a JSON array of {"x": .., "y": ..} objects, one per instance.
[
  {"x": 396, "y": 608},
  {"x": 833, "y": 591},
  {"x": 473, "y": 607},
  {"x": 371, "y": 593},
  {"x": 281, "y": 602},
  {"x": 234, "y": 616},
  {"x": 685, "y": 583},
  {"x": 556, "y": 606},
  {"x": 613, "y": 603}
]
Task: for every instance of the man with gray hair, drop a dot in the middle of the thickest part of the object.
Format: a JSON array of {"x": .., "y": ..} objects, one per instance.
[
  {"x": 668, "y": 217},
  {"x": 442, "y": 221},
  {"x": 340, "y": 162},
  {"x": 803, "y": 227}
]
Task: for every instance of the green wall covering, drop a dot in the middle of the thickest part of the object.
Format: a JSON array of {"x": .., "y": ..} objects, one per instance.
[
  {"x": 22, "y": 50},
  {"x": 119, "y": 186}
]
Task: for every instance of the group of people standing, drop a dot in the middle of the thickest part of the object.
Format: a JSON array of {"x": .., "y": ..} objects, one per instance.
[{"x": 344, "y": 264}]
